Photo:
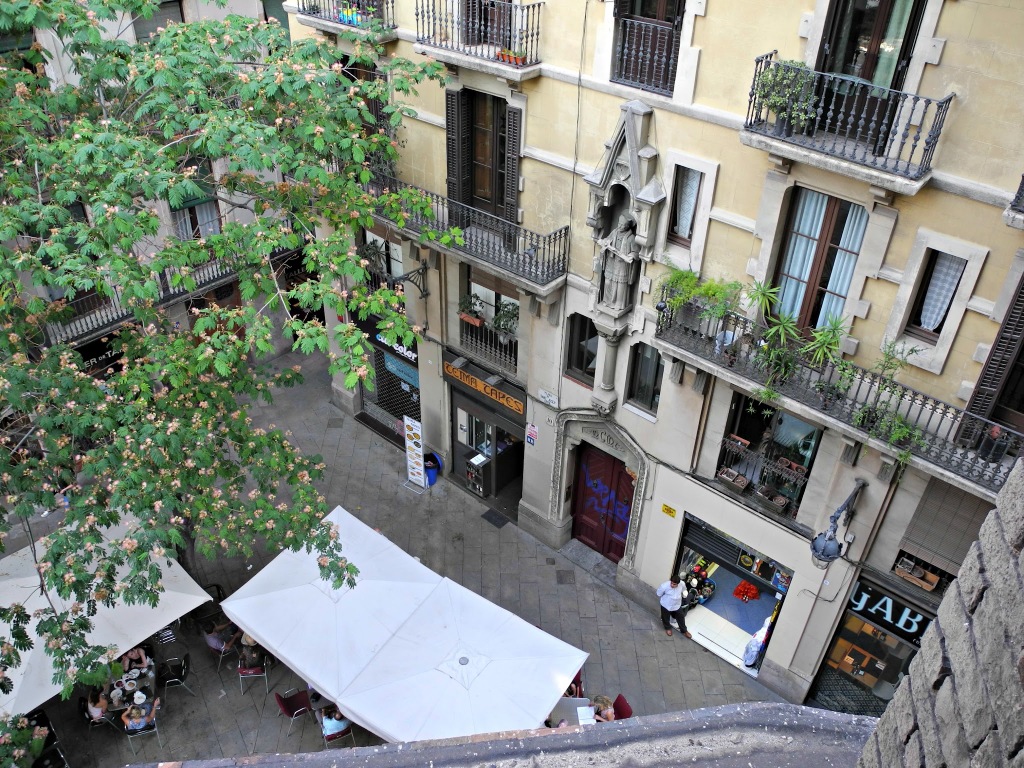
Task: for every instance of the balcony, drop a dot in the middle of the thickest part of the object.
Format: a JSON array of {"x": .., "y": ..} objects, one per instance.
[
  {"x": 1014, "y": 213},
  {"x": 894, "y": 418},
  {"x": 844, "y": 124},
  {"x": 646, "y": 55},
  {"x": 489, "y": 346},
  {"x": 496, "y": 37},
  {"x": 539, "y": 261},
  {"x": 336, "y": 16}
]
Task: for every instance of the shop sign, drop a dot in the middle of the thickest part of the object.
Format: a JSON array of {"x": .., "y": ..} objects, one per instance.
[
  {"x": 414, "y": 453},
  {"x": 98, "y": 356},
  {"x": 487, "y": 390},
  {"x": 369, "y": 327},
  {"x": 404, "y": 371},
  {"x": 888, "y": 613}
]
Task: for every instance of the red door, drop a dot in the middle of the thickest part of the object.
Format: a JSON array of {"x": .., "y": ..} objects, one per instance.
[{"x": 603, "y": 501}]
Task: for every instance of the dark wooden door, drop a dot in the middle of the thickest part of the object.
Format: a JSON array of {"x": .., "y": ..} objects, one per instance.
[{"x": 603, "y": 502}]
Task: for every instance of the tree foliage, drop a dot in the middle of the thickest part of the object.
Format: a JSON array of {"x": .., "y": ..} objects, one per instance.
[{"x": 286, "y": 141}]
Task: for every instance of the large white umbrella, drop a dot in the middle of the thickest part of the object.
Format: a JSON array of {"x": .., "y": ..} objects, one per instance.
[
  {"x": 390, "y": 651},
  {"x": 123, "y": 626},
  {"x": 461, "y": 665},
  {"x": 328, "y": 635}
]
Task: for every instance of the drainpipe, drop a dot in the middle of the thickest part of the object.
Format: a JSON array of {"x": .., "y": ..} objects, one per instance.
[{"x": 702, "y": 423}]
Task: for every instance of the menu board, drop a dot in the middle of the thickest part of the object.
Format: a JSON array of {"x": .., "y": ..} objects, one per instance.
[{"x": 414, "y": 452}]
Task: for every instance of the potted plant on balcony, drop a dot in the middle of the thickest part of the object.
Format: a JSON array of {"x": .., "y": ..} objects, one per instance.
[
  {"x": 786, "y": 88},
  {"x": 512, "y": 56},
  {"x": 506, "y": 320},
  {"x": 471, "y": 309}
]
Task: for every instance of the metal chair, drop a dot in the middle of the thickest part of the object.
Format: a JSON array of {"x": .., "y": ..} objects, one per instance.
[
  {"x": 51, "y": 758},
  {"x": 335, "y": 737},
  {"x": 83, "y": 708},
  {"x": 146, "y": 730},
  {"x": 250, "y": 672},
  {"x": 174, "y": 672},
  {"x": 622, "y": 708},
  {"x": 294, "y": 703},
  {"x": 221, "y": 653}
]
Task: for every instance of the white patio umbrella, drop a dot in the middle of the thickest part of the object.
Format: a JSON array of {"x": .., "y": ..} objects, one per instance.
[
  {"x": 461, "y": 665},
  {"x": 123, "y": 626},
  {"x": 328, "y": 635}
]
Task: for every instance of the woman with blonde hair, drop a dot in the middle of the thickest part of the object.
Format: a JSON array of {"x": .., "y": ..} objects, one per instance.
[{"x": 604, "y": 710}]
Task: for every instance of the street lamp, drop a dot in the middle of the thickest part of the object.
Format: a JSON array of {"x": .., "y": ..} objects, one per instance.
[{"x": 825, "y": 547}]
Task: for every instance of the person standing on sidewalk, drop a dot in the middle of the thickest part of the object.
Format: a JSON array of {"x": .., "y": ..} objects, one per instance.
[{"x": 672, "y": 593}]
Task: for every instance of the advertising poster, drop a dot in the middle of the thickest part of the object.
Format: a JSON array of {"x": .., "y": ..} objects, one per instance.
[{"x": 414, "y": 453}]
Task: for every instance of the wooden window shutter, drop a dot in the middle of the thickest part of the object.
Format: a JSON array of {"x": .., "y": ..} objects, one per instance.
[
  {"x": 1000, "y": 360},
  {"x": 458, "y": 142},
  {"x": 623, "y": 8},
  {"x": 513, "y": 145}
]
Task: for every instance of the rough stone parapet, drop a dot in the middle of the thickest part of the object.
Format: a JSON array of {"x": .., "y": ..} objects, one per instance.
[{"x": 962, "y": 702}]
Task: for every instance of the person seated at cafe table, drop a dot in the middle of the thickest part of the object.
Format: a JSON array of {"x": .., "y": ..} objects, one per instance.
[
  {"x": 96, "y": 704},
  {"x": 334, "y": 722},
  {"x": 135, "y": 718},
  {"x": 222, "y": 637},
  {"x": 604, "y": 710},
  {"x": 135, "y": 659}
]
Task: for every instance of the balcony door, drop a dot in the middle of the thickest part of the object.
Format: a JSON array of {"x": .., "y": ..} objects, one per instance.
[
  {"x": 999, "y": 393},
  {"x": 483, "y": 155},
  {"x": 647, "y": 43}
]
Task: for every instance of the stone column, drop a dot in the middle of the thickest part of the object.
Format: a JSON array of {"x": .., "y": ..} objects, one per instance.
[{"x": 604, "y": 398}]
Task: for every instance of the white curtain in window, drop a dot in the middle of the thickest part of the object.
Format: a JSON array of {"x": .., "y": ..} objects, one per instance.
[
  {"x": 892, "y": 43},
  {"x": 799, "y": 255},
  {"x": 182, "y": 224},
  {"x": 208, "y": 218},
  {"x": 687, "y": 187},
  {"x": 946, "y": 274},
  {"x": 846, "y": 260}
]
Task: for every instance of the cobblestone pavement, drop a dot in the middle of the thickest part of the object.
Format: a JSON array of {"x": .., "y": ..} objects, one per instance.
[{"x": 567, "y": 593}]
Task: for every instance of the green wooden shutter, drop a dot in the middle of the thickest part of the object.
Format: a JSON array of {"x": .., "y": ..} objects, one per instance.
[
  {"x": 1000, "y": 360},
  {"x": 458, "y": 142},
  {"x": 513, "y": 144}
]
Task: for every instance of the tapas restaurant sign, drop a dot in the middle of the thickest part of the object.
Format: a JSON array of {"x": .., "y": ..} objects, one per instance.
[{"x": 493, "y": 392}]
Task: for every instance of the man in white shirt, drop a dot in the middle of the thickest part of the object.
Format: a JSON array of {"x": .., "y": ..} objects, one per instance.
[{"x": 672, "y": 594}]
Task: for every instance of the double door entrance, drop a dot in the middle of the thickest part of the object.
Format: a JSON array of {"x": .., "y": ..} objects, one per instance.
[{"x": 602, "y": 503}]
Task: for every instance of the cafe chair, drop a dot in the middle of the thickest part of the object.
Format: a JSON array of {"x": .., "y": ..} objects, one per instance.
[
  {"x": 251, "y": 672},
  {"x": 577, "y": 686},
  {"x": 37, "y": 719},
  {"x": 174, "y": 672},
  {"x": 221, "y": 653},
  {"x": 622, "y": 708},
  {"x": 293, "y": 704},
  {"x": 51, "y": 758},
  {"x": 166, "y": 635},
  {"x": 83, "y": 709},
  {"x": 336, "y": 737},
  {"x": 144, "y": 731}
]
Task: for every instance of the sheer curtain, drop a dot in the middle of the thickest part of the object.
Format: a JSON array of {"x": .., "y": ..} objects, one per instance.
[
  {"x": 208, "y": 218},
  {"x": 946, "y": 274},
  {"x": 799, "y": 255},
  {"x": 687, "y": 186},
  {"x": 845, "y": 261},
  {"x": 892, "y": 43}
]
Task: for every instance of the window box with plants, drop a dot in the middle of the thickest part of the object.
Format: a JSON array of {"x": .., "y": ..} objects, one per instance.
[
  {"x": 506, "y": 320},
  {"x": 512, "y": 56},
  {"x": 471, "y": 309},
  {"x": 786, "y": 88},
  {"x": 733, "y": 479}
]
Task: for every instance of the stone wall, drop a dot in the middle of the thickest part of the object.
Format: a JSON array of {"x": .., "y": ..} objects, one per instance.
[{"x": 962, "y": 703}]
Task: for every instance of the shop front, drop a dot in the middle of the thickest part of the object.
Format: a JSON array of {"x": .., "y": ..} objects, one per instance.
[
  {"x": 396, "y": 389},
  {"x": 739, "y": 593},
  {"x": 878, "y": 635},
  {"x": 488, "y": 430}
]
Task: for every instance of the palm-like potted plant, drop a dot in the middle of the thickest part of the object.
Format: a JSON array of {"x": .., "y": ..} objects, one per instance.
[
  {"x": 471, "y": 309},
  {"x": 786, "y": 88},
  {"x": 506, "y": 320}
]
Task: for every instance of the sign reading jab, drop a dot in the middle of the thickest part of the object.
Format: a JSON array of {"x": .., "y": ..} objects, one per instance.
[{"x": 887, "y": 612}]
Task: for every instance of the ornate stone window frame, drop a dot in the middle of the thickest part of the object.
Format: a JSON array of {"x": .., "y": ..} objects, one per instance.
[{"x": 673, "y": 253}]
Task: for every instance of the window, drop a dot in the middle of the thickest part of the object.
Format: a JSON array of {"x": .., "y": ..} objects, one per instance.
[
  {"x": 645, "y": 370},
  {"x": 684, "y": 204},
  {"x": 938, "y": 286},
  {"x": 199, "y": 217},
  {"x": 166, "y": 13},
  {"x": 823, "y": 240},
  {"x": 947, "y": 521},
  {"x": 647, "y": 44},
  {"x": 483, "y": 152},
  {"x": 274, "y": 9},
  {"x": 581, "y": 353}
]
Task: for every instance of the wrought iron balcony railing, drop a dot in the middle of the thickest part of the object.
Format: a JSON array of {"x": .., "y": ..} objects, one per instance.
[
  {"x": 1017, "y": 204},
  {"x": 535, "y": 257},
  {"x": 497, "y": 30},
  {"x": 646, "y": 55},
  {"x": 490, "y": 346},
  {"x": 975, "y": 449},
  {"x": 351, "y": 13},
  {"x": 845, "y": 117}
]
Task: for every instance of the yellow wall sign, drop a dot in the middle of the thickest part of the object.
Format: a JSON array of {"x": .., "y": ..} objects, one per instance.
[
  {"x": 670, "y": 511},
  {"x": 484, "y": 388}
]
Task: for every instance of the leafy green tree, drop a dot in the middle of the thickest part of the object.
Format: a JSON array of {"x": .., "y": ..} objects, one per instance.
[{"x": 286, "y": 142}]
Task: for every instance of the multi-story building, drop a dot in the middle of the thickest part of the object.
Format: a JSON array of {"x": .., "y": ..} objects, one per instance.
[{"x": 863, "y": 157}]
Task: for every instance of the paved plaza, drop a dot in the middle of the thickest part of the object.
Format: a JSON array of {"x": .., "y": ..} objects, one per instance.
[{"x": 567, "y": 593}]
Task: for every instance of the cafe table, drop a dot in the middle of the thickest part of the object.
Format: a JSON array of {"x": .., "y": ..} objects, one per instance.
[
  {"x": 573, "y": 711},
  {"x": 145, "y": 682}
]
